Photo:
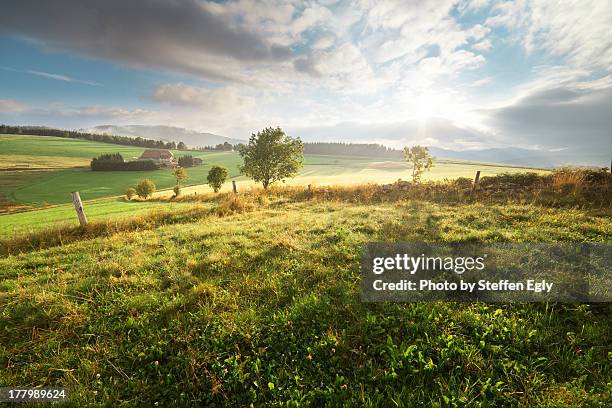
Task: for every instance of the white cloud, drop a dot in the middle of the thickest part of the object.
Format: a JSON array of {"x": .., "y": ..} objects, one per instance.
[
  {"x": 483, "y": 46},
  {"x": 48, "y": 75},
  {"x": 11, "y": 106},
  {"x": 578, "y": 31},
  {"x": 218, "y": 99},
  {"x": 323, "y": 42}
]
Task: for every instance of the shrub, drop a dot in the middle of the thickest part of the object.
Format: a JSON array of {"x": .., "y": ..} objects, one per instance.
[
  {"x": 145, "y": 188},
  {"x": 235, "y": 204},
  {"x": 130, "y": 192},
  {"x": 189, "y": 161},
  {"x": 177, "y": 190},
  {"x": 463, "y": 183},
  {"x": 216, "y": 177}
]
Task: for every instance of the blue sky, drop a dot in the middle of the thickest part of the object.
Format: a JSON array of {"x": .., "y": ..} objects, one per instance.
[{"x": 450, "y": 73}]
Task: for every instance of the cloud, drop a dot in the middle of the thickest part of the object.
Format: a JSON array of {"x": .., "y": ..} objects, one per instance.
[
  {"x": 57, "y": 77},
  {"x": 572, "y": 117},
  {"x": 397, "y": 134},
  {"x": 213, "y": 100},
  {"x": 11, "y": 106},
  {"x": 172, "y": 35},
  {"x": 483, "y": 46},
  {"x": 577, "y": 31},
  {"x": 307, "y": 66},
  {"x": 323, "y": 42},
  {"x": 66, "y": 116},
  {"x": 63, "y": 78}
]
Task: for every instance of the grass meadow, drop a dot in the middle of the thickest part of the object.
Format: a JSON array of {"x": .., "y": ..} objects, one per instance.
[{"x": 254, "y": 299}]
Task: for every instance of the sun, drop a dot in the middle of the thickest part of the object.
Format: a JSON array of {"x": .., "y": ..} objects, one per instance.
[{"x": 426, "y": 105}]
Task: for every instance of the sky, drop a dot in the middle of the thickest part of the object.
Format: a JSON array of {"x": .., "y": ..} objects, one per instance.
[{"x": 458, "y": 74}]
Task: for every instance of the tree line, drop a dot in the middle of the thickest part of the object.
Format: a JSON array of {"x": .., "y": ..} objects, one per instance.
[
  {"x": 352, "y": 149},
  {"x": 104, "y": 138}
]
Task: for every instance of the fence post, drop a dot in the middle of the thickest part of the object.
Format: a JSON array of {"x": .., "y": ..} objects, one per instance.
[
  {"x": 78, "y": 206},
  {"x": 476, "y": 180},
  {"x": 234, "y": 187}
]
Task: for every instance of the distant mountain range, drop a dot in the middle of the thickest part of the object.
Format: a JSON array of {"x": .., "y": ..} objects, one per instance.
[
  {"x": 166, "y": 133},
  {"x": 524, "y": 157}
]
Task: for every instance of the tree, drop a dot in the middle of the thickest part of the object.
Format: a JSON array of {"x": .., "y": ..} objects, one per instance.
[
  {"x": 181, "y": 146},
  {"x": 130, "y": 192},
  {"x": 271, "y": 156},
  {"x": 216, "y": 177},
  {"x": 421, "y": 160},
  {"x": 180, "y": 174},
  {"x": 145, "y": 188}
]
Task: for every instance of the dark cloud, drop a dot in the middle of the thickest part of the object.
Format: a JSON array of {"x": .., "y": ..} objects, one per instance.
[
  {"x": 307, "y": 66},
  {"x": 169, "y": 34},
  {"x": 579, "y": 120}
]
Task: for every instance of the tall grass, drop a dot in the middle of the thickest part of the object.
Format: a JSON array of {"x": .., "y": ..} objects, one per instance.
[{"x": 564, "y": 187}]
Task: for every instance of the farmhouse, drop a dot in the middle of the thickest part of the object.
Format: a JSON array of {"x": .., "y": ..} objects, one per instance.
[{"x": 161, "y": 157}]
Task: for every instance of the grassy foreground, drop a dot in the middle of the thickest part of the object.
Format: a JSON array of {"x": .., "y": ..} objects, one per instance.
[{"x": 254, "y": 300}]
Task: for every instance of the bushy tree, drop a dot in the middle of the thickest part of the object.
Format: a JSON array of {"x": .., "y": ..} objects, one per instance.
[
  {"x": 189, "y": 161},
  {"x": 271, "y": 156},
  {"x": 421, "y": 160},
  {"x": 145, "y": 188},
  {"x": 130, "y": 193},
  {"x": 216, "y": 177}
]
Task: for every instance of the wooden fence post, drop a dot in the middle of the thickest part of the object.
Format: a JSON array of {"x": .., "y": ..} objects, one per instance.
[
  {"x": 234, "y": 187},
  {"x": 476, "y": 180},
  {"x": 78, "y": 206}
]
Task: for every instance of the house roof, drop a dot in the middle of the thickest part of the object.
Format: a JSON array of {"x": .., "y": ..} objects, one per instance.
[{"x": 156, "y": 154}]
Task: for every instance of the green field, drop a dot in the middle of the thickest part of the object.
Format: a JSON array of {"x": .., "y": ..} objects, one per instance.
[
  {"x": 262, "y": 307},
  {"x": 65, "y": 159},
  {"x": 96, "y": 210}
]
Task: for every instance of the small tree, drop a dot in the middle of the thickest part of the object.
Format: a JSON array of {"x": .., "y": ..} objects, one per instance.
[
  {"x": 421, "y": 160},
  {"x": 271, "y": 156},
  {"x": 216, "y": 177},
  {"x": 145, "y": 188},
  {"x": 130, "y": 193},
  {"x": 180, "y": 174}
]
